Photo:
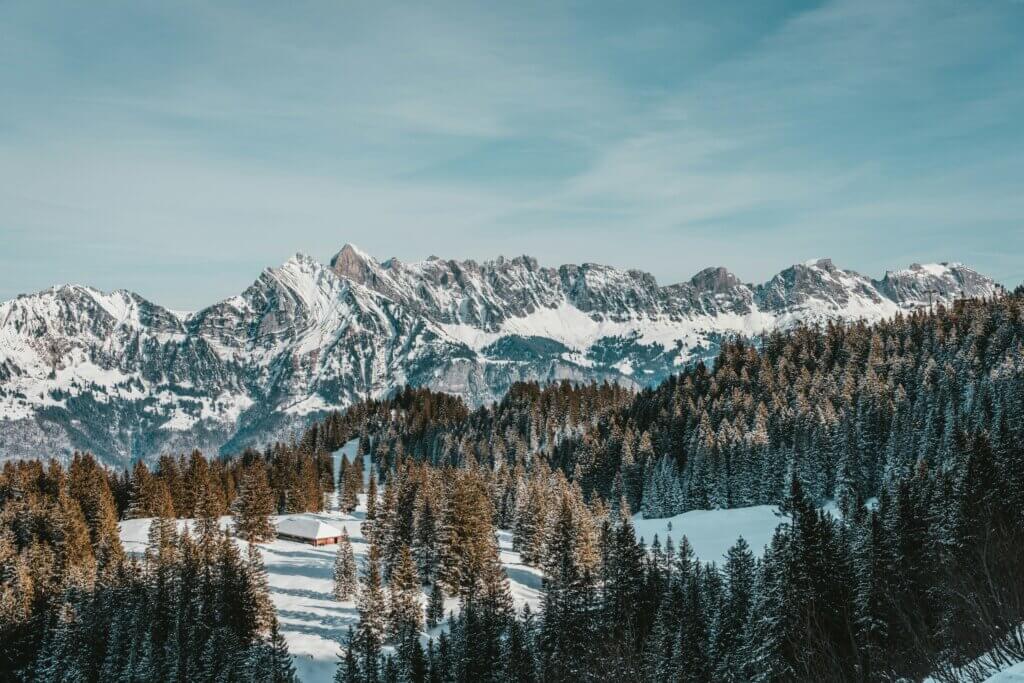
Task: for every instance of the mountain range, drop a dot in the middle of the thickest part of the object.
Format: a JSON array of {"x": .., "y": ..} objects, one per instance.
[{"x": 126, "y": 378}]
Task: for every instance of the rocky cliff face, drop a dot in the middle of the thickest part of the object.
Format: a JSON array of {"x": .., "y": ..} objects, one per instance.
[{"x": 127, "y": 378}]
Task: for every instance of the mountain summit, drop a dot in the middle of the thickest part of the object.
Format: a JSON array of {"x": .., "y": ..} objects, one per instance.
[
  {"x": 124, "y": 377},
  {"x": 354, "y": 264}
]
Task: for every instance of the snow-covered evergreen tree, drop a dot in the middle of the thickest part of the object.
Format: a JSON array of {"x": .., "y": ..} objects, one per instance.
[
  {"x": 405, "y": 610},
  {"x": 346, "y": 575},
  {"x": 254, "y": 506}
]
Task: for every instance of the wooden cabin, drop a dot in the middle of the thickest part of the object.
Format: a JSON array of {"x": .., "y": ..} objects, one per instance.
[{"x": 307, "y": 530}]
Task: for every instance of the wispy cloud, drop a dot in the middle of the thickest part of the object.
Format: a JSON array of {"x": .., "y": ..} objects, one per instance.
[{"x": 676, "y": 135}]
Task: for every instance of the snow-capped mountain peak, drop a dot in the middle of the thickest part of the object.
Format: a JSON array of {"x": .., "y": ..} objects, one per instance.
[
  {"x": 924, "y": 284},
  {"x": 124, "y": 377}
]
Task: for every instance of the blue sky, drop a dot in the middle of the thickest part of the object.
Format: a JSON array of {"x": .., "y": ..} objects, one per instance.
[{"x": 178, "y": 148}]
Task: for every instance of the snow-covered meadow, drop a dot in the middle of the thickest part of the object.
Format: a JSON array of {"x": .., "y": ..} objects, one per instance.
[{"x": 713, "y": 532}]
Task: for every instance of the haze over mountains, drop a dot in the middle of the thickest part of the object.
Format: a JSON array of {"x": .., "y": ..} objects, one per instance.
[{"x": 125, "y": 377}]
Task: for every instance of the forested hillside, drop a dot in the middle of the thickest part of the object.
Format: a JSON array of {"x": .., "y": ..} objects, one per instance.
[{"x": 913, "y": 426}]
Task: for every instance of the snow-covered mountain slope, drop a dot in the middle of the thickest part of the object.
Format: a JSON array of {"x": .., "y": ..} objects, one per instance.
[{"x": 124, "y": 377}]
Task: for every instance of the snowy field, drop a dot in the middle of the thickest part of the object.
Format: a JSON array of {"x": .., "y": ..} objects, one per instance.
[
  {"x": 315, "y": 624},
  {"x": 1015, "y": 674},
  {"x": 713, "y": 532}
]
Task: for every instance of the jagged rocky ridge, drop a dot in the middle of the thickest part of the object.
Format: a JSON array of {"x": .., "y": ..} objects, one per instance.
[{"x": 126, "y": 378}]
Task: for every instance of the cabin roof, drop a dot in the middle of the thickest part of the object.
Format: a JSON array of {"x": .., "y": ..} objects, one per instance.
[{"x": 306, "y": 527}]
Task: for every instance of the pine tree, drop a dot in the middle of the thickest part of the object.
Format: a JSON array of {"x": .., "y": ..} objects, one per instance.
[
  {"x": 405, "y": 611},
  {"x": 519, "y": 654},
  {"x": 89, "y": 487},
  {"x": 769, "y": 619},
  {"x": 58, "y": 660},
  {"x": 847, "y": 493},
  {"x": 140, "y": 504},
  {"x": 281, "y": 668},
  {"x": 427, "y": 541},
  {"x": 730, "y": 656},
  {"x": 372, "y": 607},
  {"x": 567, "y": 599},
  {"x": 257, "y": 593},
  {"x": 348, "y": 667},
  {"x": 345, "y": 570},
  {"x": 660, "y": 659},
  {"x": 254, "y": 506},
  {"x": 435, "y": 605},
  {"x": 691, "y": 653},
  {"x": 471, "y": 566},
  {"x": 371, "y": 498},
  {"x": 351, "y": 484},
  {"x": 528, "y": 537},
  {"x": 411, "y": 660},
  {"x": 444, "y": 666},
  {"x": 872, "y": 613},
  {"x": 623, "y": 574}
]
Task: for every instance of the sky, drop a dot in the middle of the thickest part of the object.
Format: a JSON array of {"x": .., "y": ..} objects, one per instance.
[{"x": 179, "y": 148}]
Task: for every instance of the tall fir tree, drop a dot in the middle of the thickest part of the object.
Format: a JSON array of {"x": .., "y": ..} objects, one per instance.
[
  {"x": 254, "y": 506},
  {"x": 346, "y": 579},
  {"x": 405, "y": 610}
]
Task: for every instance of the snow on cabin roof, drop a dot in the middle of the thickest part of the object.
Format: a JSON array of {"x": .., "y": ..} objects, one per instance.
[{"x": 306, "y": 527}]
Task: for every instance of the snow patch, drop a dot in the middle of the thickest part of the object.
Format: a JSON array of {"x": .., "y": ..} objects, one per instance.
[{"x": 713, "y": 532}]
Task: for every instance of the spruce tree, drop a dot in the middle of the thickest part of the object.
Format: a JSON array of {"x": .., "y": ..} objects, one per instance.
[
  {"x": 372, "y": 607},
  {"x": 348, "y": 666},
  {"x": 405, "y": 611},
  {"x": 769, "y": 618},
  {"x": 427, "y": 542},
  {"x": 518, "y": 655},
  {"x": 568, "y": 587},
  {"x": 345, "y": 569},
  {"x": 269, "y": 660},
  {"x": 257, "y": 593},
  {"x": 435, "y": 605},
  {"x": 351, "y": 485},
  {"x": 281, "y": 668},
  {"x": 140, "y": 504},
  {"x": 371, "y": 498},
  {"x": 471, "y": 566},
  {"x": 730, "y": 654},
  {"x": 254, "y": 506}
]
